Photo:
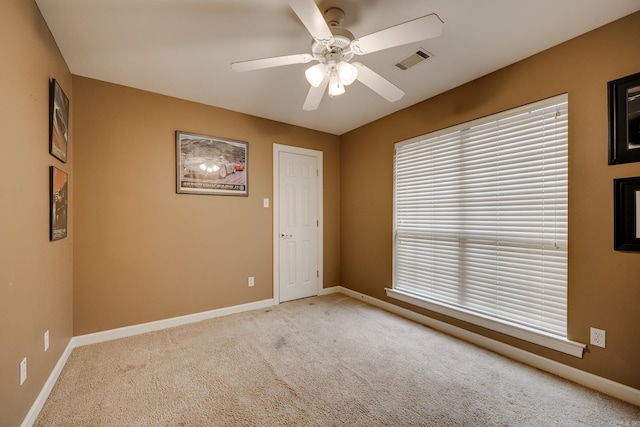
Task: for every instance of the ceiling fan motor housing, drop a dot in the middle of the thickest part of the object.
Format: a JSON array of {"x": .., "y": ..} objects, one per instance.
[{"x": 340, "y": 46}]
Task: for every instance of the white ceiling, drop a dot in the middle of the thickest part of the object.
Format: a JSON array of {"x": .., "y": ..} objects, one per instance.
[{"x": 184, "y": 48}]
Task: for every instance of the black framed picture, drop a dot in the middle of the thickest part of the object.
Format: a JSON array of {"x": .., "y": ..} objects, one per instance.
[
  {"x": 211, "y": 165},
  {"x": 58, "y": 122},
  {"x": 58, "y": 201},
  {"x": 626, "y": 213},
  {"x": 624, "y": 119}
]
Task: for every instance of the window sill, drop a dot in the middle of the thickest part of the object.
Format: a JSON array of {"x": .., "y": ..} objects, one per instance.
[{"x": 530, "y": 335}]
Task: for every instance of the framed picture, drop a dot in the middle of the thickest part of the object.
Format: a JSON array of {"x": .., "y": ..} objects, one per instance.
[
  {"x": 210, "y": 165},
  {"x": 624, "y": 119},
  {"x": 58, "y": 199},
  {"x": 58, "y": 122},
  {"x": 626, "y": 212}
]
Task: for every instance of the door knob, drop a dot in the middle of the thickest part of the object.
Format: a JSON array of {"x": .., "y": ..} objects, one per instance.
[{"x": 286, "y": 236}]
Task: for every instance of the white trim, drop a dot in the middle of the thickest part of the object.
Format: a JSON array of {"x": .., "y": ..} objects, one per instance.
[
  {"x": 157, "y": 325},
  {"x": 611, "y": 388},
  {"x": 38, "y": 404},
  {"x": 127, "y": 331},
  {"x": 277, "y": 149},
  {"x": 530, "y": 335},
  {"x": 603, "y": 385},
  {"x": 331, "y": 290}
]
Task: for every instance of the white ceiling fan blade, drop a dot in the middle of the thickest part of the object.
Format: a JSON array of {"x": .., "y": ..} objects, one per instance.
[
  {"x": 276, "y": 61},
  {"x": 315, "y": 95},
  {"x": 312, "y": 18},
  {"x": 427, "y": 27},
  {"x": 378, "y": 84}
]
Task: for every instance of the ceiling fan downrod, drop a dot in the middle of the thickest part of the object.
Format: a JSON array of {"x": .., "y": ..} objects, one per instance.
[{"x": 334, "y": 16}]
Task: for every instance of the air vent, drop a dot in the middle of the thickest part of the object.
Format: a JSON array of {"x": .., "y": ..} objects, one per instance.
[{"x": 414, "y": 59}]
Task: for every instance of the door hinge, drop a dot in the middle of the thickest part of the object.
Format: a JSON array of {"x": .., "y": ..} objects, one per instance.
[{"x": 318, "y": 274}]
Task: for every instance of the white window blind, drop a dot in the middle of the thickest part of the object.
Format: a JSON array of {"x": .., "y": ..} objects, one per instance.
[{"x": 481, "y": 217}]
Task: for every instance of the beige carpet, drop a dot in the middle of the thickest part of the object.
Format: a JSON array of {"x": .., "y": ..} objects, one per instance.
[{"x": 324, "y": 361}]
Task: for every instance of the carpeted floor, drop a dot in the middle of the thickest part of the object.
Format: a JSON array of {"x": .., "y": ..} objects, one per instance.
[{"x": 322, "y": 361}]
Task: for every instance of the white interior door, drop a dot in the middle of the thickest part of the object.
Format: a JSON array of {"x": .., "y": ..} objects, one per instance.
[{"x": 297, "y": 226}]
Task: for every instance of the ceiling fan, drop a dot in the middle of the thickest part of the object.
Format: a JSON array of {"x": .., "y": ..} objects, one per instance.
[{"x": 334, "y": 47}]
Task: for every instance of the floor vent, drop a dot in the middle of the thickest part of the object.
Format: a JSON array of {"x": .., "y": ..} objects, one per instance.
[{"x": 414, "y": 59}]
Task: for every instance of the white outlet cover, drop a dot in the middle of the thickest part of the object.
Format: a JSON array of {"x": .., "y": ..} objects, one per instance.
[
  {"x": 598, "y": 337},
  {"x": 46, "y": 340}
]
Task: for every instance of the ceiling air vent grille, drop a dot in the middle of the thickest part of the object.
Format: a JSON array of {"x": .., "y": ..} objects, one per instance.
[{"x": 414, "y": 59}]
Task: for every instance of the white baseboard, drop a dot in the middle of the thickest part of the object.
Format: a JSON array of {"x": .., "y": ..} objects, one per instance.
[
  {"x": 158, "y": 325},
  {"x": 603, "y": 385},
  {"x": 329, "y": 291},
  {"x": 128, "y": 331},
  {"x": 37, "y": 406},
  {"x": 611, "y": 388}
]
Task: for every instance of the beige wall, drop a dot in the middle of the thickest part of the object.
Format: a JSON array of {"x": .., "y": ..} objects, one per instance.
[
  {"x": 35, "y": 274},
  {"x": 604, "y": 285},
  {"x": 138, "y": 252},
  {"x": 143, "y": 252}
]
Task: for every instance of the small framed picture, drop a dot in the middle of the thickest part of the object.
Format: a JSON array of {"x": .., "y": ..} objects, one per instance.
[
  {"x": 58, "y": 201},
  {"x": 624, "y": 119},
  {"x": 626, "y": 212},
  {"x": 211, "y": 165},
  {"x": 58, "y": 122}
]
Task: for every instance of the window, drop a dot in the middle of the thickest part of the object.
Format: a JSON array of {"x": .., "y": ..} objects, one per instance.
[{"x": 481, "y": 222}]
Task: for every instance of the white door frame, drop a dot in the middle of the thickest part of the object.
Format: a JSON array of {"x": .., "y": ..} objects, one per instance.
[{"x": 277, "y": 149}]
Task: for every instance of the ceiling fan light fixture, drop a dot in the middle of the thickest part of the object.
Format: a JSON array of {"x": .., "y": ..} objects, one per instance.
[
  {"x": 347, "y": 72},
  {"x": 316, "y": 74},
  {"x": 334, "y": 47},
  {"x": 335, "y": 85}
]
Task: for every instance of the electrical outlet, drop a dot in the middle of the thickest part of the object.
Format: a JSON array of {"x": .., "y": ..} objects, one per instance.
[
  {"x": 23, "y": 371},
  {"x": 46, "y": 340},
  {"x": 251, "y": 281},
  {"x": 598, "y": 337},
  {"x": 265, "y": 202}
]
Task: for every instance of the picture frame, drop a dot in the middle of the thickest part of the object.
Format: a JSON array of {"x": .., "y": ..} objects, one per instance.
[
  {"x": 626, "y": 212},
  {"x": 58, "y": 203},
  {"x": 624, "y": 119},
  {"x": 58, "y": 122},
  {"x": 211, "y": 165}
]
